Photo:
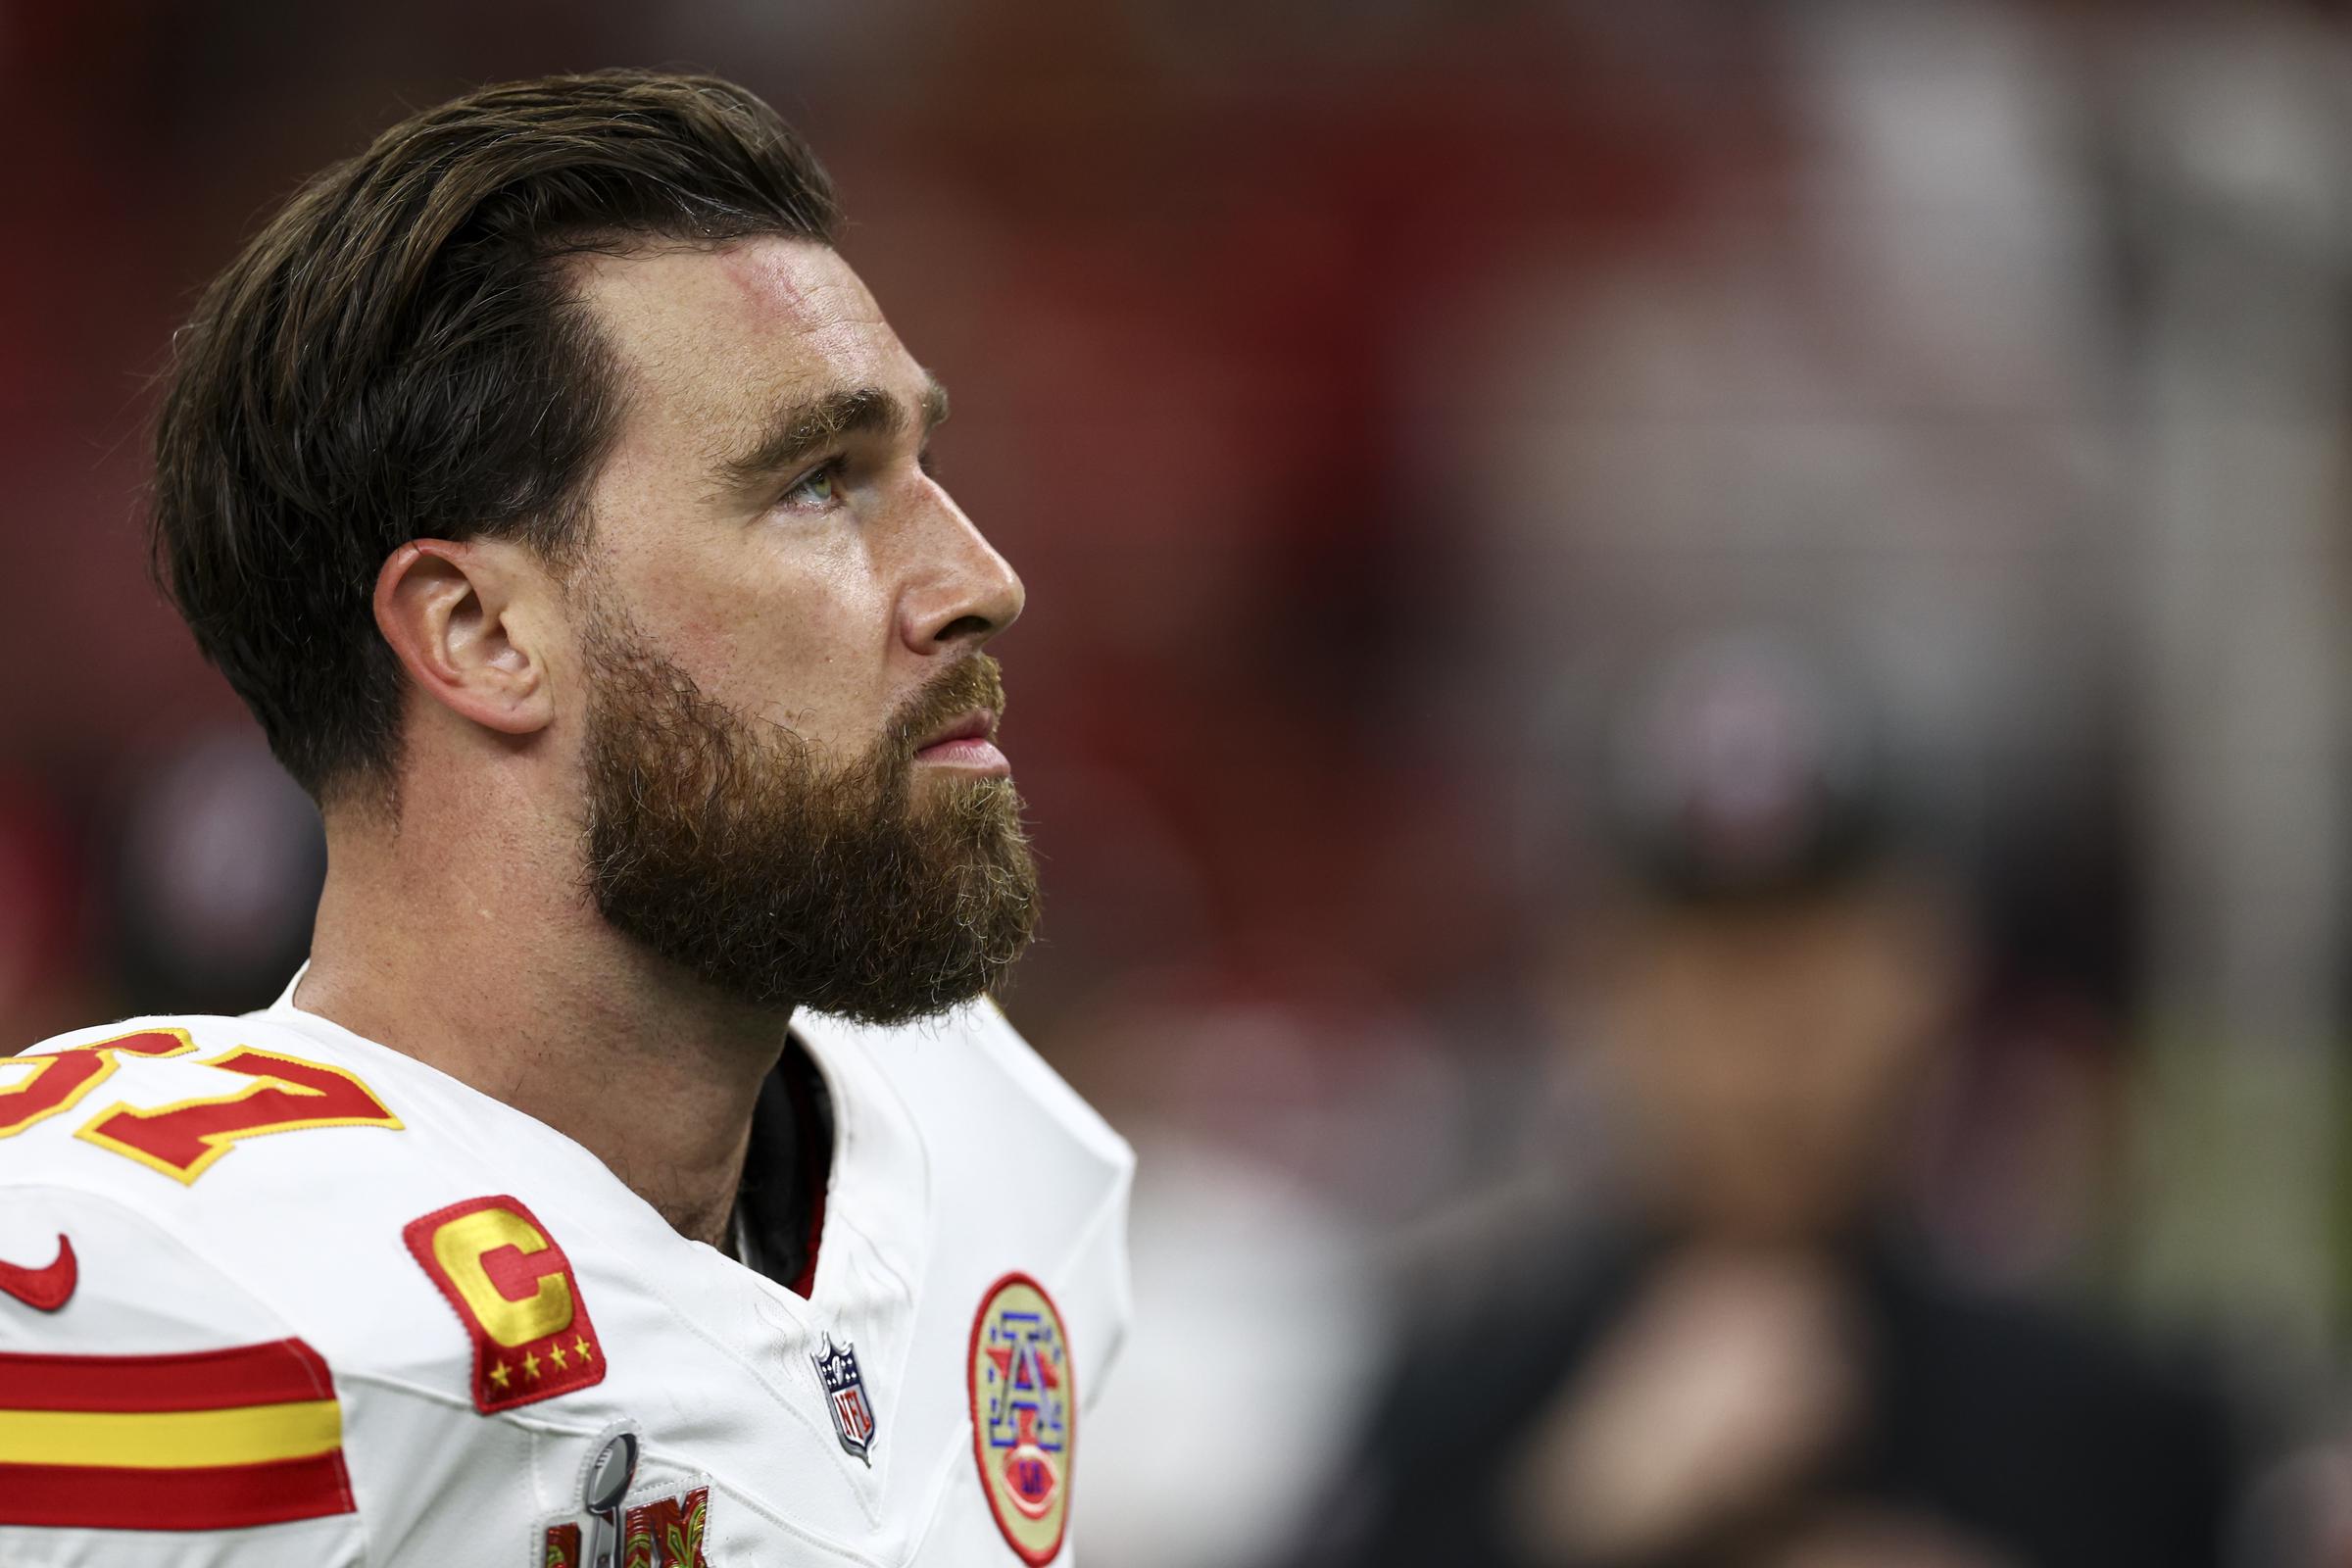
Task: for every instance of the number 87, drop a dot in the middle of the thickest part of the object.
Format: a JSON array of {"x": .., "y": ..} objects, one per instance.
[{"x": 184, "y": 1139}]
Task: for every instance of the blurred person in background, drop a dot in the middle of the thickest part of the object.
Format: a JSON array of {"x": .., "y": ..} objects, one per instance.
[{"x": 1746, "y": 1359}]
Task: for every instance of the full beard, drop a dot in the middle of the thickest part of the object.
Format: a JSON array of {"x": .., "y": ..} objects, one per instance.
[{"x": 725, "y": 845}]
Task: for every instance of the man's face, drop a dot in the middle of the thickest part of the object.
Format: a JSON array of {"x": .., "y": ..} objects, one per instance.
[
  {"x": 1771, "y": 1051},
  {"x": 780, "y": 618}
]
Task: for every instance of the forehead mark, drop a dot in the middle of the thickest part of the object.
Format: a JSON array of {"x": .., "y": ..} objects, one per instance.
[
  {"x": 796, "y": 284},
  {"x": 755, "y": 351}
]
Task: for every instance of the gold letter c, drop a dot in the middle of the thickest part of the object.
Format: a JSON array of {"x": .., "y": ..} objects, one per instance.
[{"x": 460, "y": 1246}]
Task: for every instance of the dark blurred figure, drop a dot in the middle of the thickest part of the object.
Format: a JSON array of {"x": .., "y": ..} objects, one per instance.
[{"x": 1748, "y": 1361}]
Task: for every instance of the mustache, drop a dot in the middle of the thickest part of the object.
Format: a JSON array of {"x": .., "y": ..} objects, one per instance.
[{"x": 978, "y": 681}]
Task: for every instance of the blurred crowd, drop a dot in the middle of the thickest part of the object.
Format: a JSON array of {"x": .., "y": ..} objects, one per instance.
[{"x": 1684, "y": 698}]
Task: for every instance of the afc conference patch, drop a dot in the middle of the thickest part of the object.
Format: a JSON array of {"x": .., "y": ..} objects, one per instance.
[
  {"x": 1024, "y": 1415},
  {"x": 845, "y": 1393}
]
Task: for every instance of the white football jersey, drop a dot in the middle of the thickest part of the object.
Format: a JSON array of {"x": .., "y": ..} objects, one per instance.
[{"x": 271, "y": 1294}]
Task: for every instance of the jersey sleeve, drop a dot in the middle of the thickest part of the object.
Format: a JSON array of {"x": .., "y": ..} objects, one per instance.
[
  {"x": 152, "y": 1412},
  {"x": 1092, "y": 1281}
]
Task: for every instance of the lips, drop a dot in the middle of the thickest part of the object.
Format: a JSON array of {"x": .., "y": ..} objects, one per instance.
[
  {"x": 965, "y": 745},
  {"x": 975, "y": 725}
]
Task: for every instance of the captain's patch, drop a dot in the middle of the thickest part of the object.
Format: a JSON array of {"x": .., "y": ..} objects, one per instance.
[{"x": 515, "y": 1292}]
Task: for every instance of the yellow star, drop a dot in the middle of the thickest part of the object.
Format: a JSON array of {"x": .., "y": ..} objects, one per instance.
[
  {"x": 498, "y": 1374},
  {"x": 580, "y": 1346},
  {"x": 557, "y": 1351},
  {"x": 530, "y": 1365}
]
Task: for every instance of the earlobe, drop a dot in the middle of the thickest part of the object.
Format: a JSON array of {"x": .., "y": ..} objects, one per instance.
[{"x": 455, "y": 617}]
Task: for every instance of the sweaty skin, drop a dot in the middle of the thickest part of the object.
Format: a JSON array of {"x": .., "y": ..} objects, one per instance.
[{"x": 461, "y": 933}]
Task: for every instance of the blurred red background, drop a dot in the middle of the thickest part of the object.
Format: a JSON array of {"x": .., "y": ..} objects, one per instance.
[{"x": 1365, "y": 393}]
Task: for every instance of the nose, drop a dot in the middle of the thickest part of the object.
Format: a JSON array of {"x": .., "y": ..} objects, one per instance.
[{"x": 962, "y": 592}]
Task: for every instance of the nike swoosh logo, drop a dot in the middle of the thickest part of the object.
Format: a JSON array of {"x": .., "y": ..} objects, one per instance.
[{"x": 44, "y": 1290}]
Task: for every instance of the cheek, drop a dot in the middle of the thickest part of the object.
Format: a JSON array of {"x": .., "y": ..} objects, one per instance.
[
  {"x": 783, "y": 616},
  {"x": 816, "y": 631},
  {"x": 797, "y": 636}
]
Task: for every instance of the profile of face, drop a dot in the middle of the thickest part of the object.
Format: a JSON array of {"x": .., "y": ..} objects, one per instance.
[
  {"x": 1770, "y": 1054},
  {"x": 786, "y": 724}
]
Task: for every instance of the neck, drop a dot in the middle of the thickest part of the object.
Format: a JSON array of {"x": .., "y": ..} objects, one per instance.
[{"x": 510, "y": 982}]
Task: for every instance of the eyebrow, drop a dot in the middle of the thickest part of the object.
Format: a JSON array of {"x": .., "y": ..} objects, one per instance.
[{"x": 799, "y": 430}]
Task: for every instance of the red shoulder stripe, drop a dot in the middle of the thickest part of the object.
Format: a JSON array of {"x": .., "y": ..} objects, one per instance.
[
  {"x": 278, "y": 1372},
  {"x": 227, "y": 1497}
]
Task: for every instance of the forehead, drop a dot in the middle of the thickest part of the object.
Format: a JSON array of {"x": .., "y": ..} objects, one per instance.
[{"x": 712, "y": 341}]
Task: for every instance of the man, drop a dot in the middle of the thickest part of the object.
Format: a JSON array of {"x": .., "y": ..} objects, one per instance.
[
  {"x": 1743, "y": 1358},
  {"x": 636, "y": 1172}
]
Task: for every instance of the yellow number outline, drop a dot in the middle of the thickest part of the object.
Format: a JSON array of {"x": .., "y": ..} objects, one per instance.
[
  {"x": 109, "y": 1053},
  {"x": 219, "y": 1140}
]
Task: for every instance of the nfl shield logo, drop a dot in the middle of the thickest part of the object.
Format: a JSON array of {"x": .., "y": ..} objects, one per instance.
[{"x": 845, "y": 1391}]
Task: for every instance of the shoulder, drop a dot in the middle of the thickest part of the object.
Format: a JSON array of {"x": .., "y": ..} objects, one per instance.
[
  {"x": 142, "y": 1383},
  {"x": 2048, "y": 1366},
  {"x": 967, "y": 1075},
  {"x": 2145, "y": 1446},
  {"x": 210, "y": 1258},
  {"x": 282, "y": 1166},
  {"x": 1024, "y": 1179},
  {"x": 173, "y": 1095}
]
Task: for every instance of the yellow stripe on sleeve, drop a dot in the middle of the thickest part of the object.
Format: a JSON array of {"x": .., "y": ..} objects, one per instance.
[{"x": 172, "y": 1439}]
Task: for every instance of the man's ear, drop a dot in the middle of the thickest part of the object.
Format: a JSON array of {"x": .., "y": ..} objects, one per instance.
[{"x": 462, "y": 619}]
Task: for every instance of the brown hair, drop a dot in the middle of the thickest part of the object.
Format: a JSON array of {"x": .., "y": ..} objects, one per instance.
[{"x": 398, "y": 354}]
